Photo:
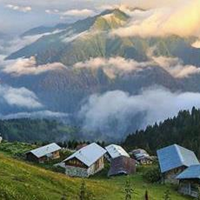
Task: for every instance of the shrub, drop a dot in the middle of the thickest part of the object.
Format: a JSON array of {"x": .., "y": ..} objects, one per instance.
[{"x": 153, "y": 175}]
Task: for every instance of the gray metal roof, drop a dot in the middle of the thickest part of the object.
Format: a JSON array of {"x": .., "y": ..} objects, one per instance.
[
  {"x": 88, "y": 154},
  {"x": 116, "y": 151},
  {"x": 175, "y": 156},
  {"x": 45, "y": 150},
  {"x": 192, "y": 172}
]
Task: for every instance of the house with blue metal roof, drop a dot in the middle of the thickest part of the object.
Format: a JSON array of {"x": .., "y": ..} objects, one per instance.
[
  {"x": 173, "y": 160},
  {"x": 189, "y": 181}
]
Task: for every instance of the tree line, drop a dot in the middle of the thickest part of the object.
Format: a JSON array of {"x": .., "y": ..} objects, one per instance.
[{"x": 184, "y": 129}]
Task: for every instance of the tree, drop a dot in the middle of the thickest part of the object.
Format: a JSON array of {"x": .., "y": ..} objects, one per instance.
[
  {"x": 128, "y": 190},
  {"x": 167, "y": 195},
  {"x": 82, "y": 195},
  {"x": 146, "y": 195}
]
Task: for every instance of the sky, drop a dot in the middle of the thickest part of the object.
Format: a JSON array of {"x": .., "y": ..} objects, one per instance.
[{"x": 20, "y": 15}]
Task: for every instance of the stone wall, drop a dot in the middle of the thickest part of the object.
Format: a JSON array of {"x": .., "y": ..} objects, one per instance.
[
  {"x": 76, "y": 171},
  {"x": 85, "y": 172}
]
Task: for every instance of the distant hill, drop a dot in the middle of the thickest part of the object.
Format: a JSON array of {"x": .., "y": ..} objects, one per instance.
[
  {"x": 30, "y": 130},
  {"x": 183, "y": 129}
]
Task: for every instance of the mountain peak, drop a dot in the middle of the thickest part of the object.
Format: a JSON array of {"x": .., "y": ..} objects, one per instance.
[{"x": 110, "y": 19}]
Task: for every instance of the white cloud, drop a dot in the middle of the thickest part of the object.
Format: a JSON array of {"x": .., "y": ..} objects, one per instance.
[
  {"x": 179, "y": 19},
  {"x": 28, "y": 66},
  {"x": 35, "y": 114},
  {"x": 176, "y": 67},
  {"x": 113, "y": 66},
  {"x": 19, "y": 8},
  {"x": 78, "y": 13},
  {"x": 19, "y": 97},
  {"x": 196, "y": 44},
  {"x": 113, "y": 112}
]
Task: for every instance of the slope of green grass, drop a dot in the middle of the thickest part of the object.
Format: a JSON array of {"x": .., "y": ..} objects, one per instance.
[{"x": 20, "y": 180}]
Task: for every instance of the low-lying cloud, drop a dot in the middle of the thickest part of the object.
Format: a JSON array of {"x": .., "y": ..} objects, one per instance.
[
  {"x": 115, "y": 66},
  {"x": 36, "y": 114},
  {"x": 28, "y": 66},
  {"x": 114, "y": 113},
  {"x": 19, "y": 97},
  {"x": 196, "y": 44},
  {"x": 175, "y": 67}
]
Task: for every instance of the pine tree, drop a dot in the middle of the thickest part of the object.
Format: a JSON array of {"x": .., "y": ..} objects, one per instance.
[
  {"x": 82, "y": 194},
  {"x": 128, "y": 190},
  {"x": 167, "y": 195},
  {"x": 146, "y": 195}
]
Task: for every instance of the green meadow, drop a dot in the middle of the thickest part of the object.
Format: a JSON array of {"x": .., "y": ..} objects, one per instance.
[{"x": 20, "y": 180}]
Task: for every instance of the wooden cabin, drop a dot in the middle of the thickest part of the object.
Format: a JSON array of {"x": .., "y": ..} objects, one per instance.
[
  {"x": 173, "y": 160},
  {"x": 114, "y": 151},
  {"x": 44, "y": 154},
  {"x": 141, "y": 156},
  {"x": 189, "y": 181},
  {"x": 86, "y": 161},
  {"x": 122, "y": 166}
]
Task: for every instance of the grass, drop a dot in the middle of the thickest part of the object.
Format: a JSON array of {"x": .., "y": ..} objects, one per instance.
[
  {"x": 21, "y": 180},
  {"x": 16, "y": 149}
]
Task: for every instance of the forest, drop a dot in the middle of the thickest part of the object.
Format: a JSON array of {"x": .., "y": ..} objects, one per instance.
[
  {"x": 37, "y": 130},
  {"x": 184, "y": 129}
]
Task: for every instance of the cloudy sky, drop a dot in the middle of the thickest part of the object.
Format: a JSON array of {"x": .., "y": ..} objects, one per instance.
[{"x": 20, "y": 15}]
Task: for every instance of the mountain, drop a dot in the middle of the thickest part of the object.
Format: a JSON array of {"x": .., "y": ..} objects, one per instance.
[
  {"x": 96, "y": 62},
  {"x": 90, "y": 38},
  {"x": 44, "y": 29},
  {"x": 184, "y": 129},
  {"x": 78, "y": 42}
]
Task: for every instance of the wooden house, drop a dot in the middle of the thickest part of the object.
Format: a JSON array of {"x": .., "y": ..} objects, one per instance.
[
  {"x": 114, "y": 151},
  {"x": 141, "y": 156},
  {"x": 173, "y": 160},
  {"x": 189, "y": 181},
  {"x": 45, "y": 153},
  {"x": 86, "y": 161},
  {"x": 122, "y": 165}
]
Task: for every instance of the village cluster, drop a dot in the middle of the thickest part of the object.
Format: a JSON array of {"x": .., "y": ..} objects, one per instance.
[
  {"x": 89, "y": 159},
  {"x": 178, "y": 165}
]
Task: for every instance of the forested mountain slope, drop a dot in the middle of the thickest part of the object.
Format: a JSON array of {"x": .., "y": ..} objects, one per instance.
[{"x": 183, "y": 129}]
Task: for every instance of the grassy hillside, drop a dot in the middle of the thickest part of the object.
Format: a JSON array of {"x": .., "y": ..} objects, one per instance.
[{"x": 20, "y": 180}]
